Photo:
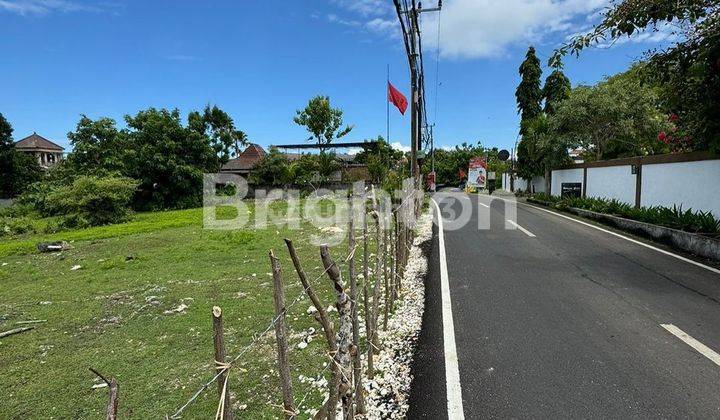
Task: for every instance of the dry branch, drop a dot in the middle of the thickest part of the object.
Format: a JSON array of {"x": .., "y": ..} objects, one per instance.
[
  {"x": 328, "y": 410},
  {"x": 114, "y": 395},
  {"x": 15, "y": 331},
  {"x": 344, "y": 335}
]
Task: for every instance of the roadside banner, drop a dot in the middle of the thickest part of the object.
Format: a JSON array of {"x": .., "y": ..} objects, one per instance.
[{"x": 477, "y": 174}]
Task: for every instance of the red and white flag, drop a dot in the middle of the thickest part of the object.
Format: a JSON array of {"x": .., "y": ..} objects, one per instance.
[{"x": 397, "y": 98}]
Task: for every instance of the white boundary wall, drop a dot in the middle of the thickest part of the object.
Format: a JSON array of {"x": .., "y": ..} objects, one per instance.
[
  {"x": 612, "y": 182},
  {"x": 537, "y": 184},
  {"x": 564, "y": 176},
  {"x": 692, "y": 185}
]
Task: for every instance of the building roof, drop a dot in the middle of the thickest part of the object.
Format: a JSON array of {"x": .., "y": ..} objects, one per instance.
[
  {"x": 247, "y": 159},
  {"x": 37, "y": 142}
]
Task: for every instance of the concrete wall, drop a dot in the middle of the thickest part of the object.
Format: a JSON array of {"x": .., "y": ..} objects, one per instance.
[
  {"x": 612, "y": 182},
  {"x": 693, "y": 185},
  {"x": 537, "y": 184},
  {"x": 564, "y": 176}
]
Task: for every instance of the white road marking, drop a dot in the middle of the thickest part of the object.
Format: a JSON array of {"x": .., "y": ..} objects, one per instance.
[
  {"x": 662, "y": 251},
  {"x": 700, "y": 347},
  {"x": 483, "y": 204},
  {"x": 452, "y": 370},
  {"x": 522, "y": 229}
]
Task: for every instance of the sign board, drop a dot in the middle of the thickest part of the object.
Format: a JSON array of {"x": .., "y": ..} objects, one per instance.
[
  {"x": 491, "y": 176},
  {"x": 431, "y": 181},
  {"x": 504, "y": 155},
  {"x": 477, "y": 174},
  {"x": 571, "y": 190}
]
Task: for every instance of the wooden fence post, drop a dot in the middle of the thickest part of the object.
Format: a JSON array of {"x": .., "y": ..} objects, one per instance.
[
  {"x": 219, "y": 343},
  {"x": 344, "y": 334},
  {"x": 376, "y": 290},
  {"x": 357, "y": 367},
  {"x": 386, "y": 300},
  {"x": 280, "y": 336},
  {"x": 329, "y": 409},
  {"x": 366, "y": 303}
]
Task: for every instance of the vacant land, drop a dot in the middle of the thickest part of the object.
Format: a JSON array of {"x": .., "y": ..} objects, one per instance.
[{"x": 121, "y": 312}]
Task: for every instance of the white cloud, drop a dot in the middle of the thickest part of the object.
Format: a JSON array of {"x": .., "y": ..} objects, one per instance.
[
  {"x": 382, "y": 26},
  {"x": 399, "y": 146},
  {"x": 337, "y": 19},
  {"x": 486, "y": 28},
  {"x": 366, "y": 7},
  {"x": 41, "y": 7}
]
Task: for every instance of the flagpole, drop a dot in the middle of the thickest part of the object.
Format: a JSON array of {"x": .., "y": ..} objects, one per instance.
[{"x": 387, "y": 104}]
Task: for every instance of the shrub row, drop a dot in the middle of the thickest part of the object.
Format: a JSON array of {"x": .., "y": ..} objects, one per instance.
[{"x": 675, "y": 217}]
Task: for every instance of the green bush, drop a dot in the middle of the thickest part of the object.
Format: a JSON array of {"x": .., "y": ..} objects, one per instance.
[
  {"x": 91, "y": 201},
  {"x": 675, "y": 217}
]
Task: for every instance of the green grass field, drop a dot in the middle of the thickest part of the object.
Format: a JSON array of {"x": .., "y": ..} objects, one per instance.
[{"x": 111, "y": 314}]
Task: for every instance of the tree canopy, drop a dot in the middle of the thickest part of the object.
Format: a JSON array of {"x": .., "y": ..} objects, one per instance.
[
  {"x": 688, "y": 71},
  {"x": 322, "y": 121},
  {"x": 17, "y": 170}
]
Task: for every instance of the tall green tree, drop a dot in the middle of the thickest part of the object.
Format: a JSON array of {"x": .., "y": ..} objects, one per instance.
[
  {"x": 618, "y": 117},
  {"x": 168, "y": 159},
  {"x": 219, "y": 127},
  {"x": 556, "y": 89},
  {"x": 529, "y": 97},
  {"x": 98, "y": 147},
  {"x": 322, "y": 121},
  {"x": 688, "y": 70},
  {"x": 17, "y": 170}
]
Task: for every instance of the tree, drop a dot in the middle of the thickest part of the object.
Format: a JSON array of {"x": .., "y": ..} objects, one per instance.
[
  {"x": 618, "y": 117},
  {"x": 528, "y": 93},
  {"x": 17, "y": 170},
  {"x": 98, "y": 147},
  {"x": 322, "y": 121},
  {"x": 549, "y": 148},
  {"x": 273, "y": 169},
  {"x": 529, "y": 97},
  {"x": 167, "y": 158},
  {"x": 219, "y": 127},
  {"x": 688, "y": 70},
  {"x": 556, "y": 89}
]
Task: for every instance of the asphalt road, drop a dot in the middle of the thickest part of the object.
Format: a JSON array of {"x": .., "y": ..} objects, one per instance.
[{"x": 565, "y": 321}]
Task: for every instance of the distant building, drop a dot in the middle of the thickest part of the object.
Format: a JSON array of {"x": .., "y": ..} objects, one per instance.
[
  {"x": 46, "y": 152},
  {"x": 254, "y": 153},
  {"x": 242, "y": 164}
]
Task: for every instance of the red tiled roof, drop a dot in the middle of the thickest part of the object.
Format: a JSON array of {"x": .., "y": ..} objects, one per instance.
[
  {"x": 247, "y": 159},
  {"x": 37, "y": 142}
]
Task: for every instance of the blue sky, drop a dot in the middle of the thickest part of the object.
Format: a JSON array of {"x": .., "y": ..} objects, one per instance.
[{"x": 262, "y": 60}]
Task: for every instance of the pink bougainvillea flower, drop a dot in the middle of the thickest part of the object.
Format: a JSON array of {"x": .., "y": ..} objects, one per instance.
[
  {"x": 662, "y": 137},
  {"x": 673, "y": 117}
]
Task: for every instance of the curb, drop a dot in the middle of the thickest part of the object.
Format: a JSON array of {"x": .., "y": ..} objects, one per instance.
[{"x": 699, "y": 245}]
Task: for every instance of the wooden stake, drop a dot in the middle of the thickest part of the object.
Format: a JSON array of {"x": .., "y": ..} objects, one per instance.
[
  {"x": 219, "y": 343},
  {"x": 366, "y": 303},
  {"x": 280, "y": 336},
  {"x": 322, "y": 317},
  {"x": 114, "y": 396},
  {"x": 344, "y": 334},
  {"x": 357, "y": 366},
  {"x": 387, "y": 306},
  {"x": 376, "y": 290}
]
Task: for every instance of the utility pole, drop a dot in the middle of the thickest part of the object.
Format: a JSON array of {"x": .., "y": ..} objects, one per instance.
[{"x": 409, "y": 23}]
